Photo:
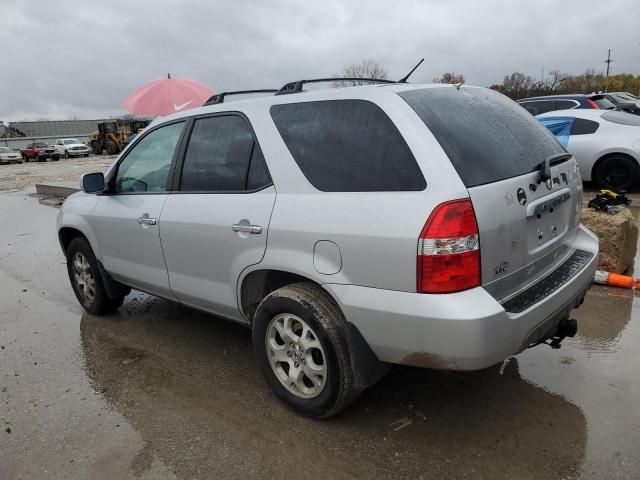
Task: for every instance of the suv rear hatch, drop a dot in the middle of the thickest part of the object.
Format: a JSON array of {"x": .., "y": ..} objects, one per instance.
[{"x": 527, "y": 221}]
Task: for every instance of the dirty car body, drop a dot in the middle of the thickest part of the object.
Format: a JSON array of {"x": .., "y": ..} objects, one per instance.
[{"x": 434, "y": 226}]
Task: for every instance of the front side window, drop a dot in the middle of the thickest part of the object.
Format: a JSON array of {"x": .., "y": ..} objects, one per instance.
[
  {"x": 223, "y": 156},
  {"x": 146, "y": 167},
  {"x": 347, "y": 146}
]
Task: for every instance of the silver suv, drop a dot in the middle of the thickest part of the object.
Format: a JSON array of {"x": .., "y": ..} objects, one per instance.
[{"x": 350, "y": 228}]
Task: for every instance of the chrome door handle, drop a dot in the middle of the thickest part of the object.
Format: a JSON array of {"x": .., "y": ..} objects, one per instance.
[
  {"x": 256, "y": 229},
  {"x": 146, "y": 220}
]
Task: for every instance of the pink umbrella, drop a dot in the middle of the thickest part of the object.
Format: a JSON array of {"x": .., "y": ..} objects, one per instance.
[{"x": 166, "y": 95}]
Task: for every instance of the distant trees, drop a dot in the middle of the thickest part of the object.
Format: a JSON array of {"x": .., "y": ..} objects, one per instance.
[
  {"x": 365, "y": 69},
  {"x": 449, "y": 77},
  {"x": 517, "y": 85}
]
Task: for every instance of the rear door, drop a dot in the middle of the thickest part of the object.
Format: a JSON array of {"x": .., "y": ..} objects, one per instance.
[
  {"x": 216, "y": 224},
  {"x": 526, "y": 226}
]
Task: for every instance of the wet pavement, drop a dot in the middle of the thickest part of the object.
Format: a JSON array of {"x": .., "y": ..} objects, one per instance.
[{"x": 162, "y": 391}]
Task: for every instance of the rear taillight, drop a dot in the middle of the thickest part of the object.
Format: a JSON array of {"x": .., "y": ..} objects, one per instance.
[
  {"x": 593, "y": 104},
  {"x": 448, "y": 249}
]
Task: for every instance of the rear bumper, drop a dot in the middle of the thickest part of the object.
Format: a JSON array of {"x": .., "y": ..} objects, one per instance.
[{"x": 468, "y": 330}]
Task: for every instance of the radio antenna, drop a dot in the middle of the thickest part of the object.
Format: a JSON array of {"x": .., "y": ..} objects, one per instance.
[{"x": 406, "y": 77}]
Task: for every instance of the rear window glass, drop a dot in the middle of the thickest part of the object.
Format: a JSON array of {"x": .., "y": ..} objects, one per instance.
[
  {"x": 603, "y": 103},
  {"x": 347, "y": 146},
  {"x": 621, "y": 118},
  {"x": 487, "y": 136},
  {"x": 582, "y": 126}
]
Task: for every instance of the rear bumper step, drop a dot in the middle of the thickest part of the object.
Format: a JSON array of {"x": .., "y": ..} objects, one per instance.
[{"x": 549, "y": 284}]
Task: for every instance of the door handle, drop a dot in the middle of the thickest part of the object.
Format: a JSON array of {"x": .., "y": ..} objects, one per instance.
[
  {"x": 256, "y": 229},
  {"x": 146, "y": 220}
]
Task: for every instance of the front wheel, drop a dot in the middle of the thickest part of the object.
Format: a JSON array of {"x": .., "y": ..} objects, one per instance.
[
  {"x": 66, "y": 154},
  {"x": 86, "y": 281},
  {"x": 618, "y": 172},
  {"x": 301, "y": 341}
]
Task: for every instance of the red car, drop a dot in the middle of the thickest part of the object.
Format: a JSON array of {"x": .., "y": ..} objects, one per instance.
[{"x": 40, "y": 152}]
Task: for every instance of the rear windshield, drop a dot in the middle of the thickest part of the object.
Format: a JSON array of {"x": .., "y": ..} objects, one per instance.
[
  {"x": 487, "y": 136},
  {"x": 603, "y": 103},
  {"x": 622, "y": 118}
]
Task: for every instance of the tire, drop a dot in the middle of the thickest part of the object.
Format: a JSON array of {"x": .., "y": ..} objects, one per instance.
[
  {"x": 25, "y": 159},
  {"x": 55, "y": 158},
  {"x": 86, "y": 155},
  {"x": 617, "y": 172},
  {"x": 97, "y": 148},
  {"x": 322, "y": 341},
  {"x": 112, "y": 148},
  {"x": 86, "y": 281},
  {"x": 66, "y": 154}
]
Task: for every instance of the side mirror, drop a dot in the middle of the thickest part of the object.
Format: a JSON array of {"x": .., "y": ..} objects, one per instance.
[{"x": 93, "y": 183}]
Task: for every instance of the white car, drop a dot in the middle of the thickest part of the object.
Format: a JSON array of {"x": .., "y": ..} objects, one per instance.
[
  {"x": 71, "y": 147},
  {"x": 606, "y": 144},
  {"x": 9, "y": 155}
]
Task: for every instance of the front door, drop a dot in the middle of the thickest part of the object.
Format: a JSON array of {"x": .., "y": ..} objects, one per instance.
[
  {"x": 126, "y": 221},
  {"x": 216, "y": 224}
]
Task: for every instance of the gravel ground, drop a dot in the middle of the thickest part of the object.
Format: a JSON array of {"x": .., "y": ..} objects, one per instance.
[{"x": 17, "y": 177}]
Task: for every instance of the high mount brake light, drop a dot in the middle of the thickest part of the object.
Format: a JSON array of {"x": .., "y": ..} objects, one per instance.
[{"x": 449, "y": 249}]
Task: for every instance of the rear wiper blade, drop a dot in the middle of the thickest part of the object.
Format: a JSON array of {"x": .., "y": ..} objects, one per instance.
[{"x": 547, "y": 163}]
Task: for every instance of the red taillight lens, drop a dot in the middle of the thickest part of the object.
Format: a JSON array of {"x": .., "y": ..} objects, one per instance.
[{"x": 448, "y": 249}]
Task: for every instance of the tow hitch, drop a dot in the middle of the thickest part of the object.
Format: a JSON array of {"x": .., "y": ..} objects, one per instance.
[{"x": 566, "y": 328}]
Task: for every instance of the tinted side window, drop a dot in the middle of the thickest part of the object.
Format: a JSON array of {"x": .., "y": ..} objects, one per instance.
[
  {"x": 146, "y": 167},
  {"x": 219, "y": 154},
  {"x": 347, "y": 146},
  {"x": 583, "y": 127},
  {"x": 487, "y": 136},
  {"x": 565, "y": 104}
]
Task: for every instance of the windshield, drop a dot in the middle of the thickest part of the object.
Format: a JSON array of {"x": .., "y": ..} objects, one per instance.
[
  {"x": 40, "y": 145},
  {"x": 5, "y": 150},
  {"x": 69, "y": 141},
  {"x": 487, "y": 136}
]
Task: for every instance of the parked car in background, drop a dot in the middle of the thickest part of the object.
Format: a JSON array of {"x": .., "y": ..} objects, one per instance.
[
  {"x": 40, "y": 152},
  {"x": 71, "y": 147},
  {"x": 9, "y": 155},
  {"x": 549, "y": 103},
  {"x": 624, "y": 101},
  {"x": 605, "y": 144},
  {"x": 428, "y": 225}
]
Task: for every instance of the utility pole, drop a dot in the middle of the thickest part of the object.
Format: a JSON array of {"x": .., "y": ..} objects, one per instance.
[{"x": 608, "y": 62}]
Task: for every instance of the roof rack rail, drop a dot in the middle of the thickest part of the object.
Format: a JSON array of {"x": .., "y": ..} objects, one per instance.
[
  {"x": 296, "y": 87},
  {"x": 219, "y": 97}
]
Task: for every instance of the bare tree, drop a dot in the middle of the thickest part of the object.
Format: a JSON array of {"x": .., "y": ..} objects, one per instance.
[
  {"x": 365, "y": 69},
  {"x": 557, "y": 80},
  {"x": 449, "y": 77}
]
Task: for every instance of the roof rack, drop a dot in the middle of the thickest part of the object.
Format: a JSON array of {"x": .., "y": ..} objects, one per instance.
[
  {"x": 219, "y": 98},
  {"x": 296, "y": 87}
]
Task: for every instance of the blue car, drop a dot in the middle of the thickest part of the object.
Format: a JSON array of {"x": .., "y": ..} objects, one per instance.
[{"x": 549, "y": 103}]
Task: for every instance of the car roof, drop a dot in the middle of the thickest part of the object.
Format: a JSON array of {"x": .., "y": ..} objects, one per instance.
[
  {"x": 552, "y": 97},
  {"x": 330, "y": 93},
  {"x": 575, "y": 112}
]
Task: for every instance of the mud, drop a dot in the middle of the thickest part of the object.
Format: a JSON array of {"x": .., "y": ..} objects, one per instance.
[{"x": 162, "y": 391}]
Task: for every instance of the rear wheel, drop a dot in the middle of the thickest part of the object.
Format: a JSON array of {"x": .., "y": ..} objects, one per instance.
[
  {"x": 300, "y": 339},
  {"x": 617, "y": 172},
  {"x": 86, "y": 281}
]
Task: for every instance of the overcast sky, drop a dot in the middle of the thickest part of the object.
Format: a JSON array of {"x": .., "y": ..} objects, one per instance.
[{"x": 65, "y": 59}]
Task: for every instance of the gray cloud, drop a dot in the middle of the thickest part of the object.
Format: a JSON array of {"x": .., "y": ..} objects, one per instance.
[{"x": 69, "y": 59}]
